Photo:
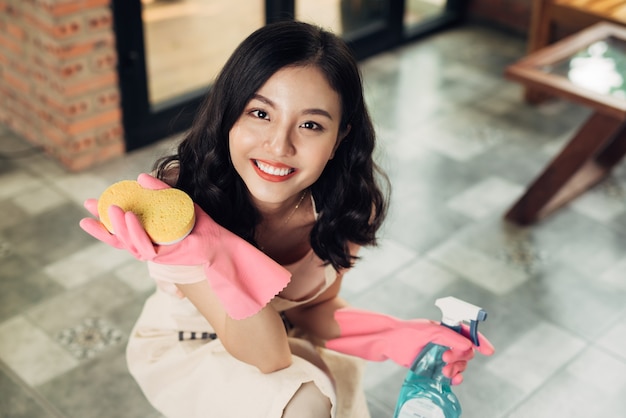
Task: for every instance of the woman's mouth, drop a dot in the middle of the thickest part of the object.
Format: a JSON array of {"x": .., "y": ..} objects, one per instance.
[{"x": 273, "y": 172}]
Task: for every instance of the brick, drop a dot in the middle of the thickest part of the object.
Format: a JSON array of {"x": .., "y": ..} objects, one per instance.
[
  {"x": 15, "y": 81},
  {"x": 9, "y": 44},
  {"x": 110, "y": 134},
  {"x": 73, "y": 69},
  {"x": 39, "y": 76},
  {"x": 19, "y": 67},
  {"x": 79, "y": 126},
  {"x": 104, "y": 118},
  {"x": 12, "y": 10},
  {"x": 55, "y": 137},
  {"x": 90, "y": 146},
  {"x": 69, "y": 27},
  {"x": 65, "y": 7},
  {"x": 111, "y": 150},
  {"x": 77, "y": 107},
  {"x": 99, "y": 19},
  {"x": 16, "y": 32},
  {"x": 80, "y": 87},
  {"x": 107, "y": 98},
  {"x": 69, "y": 72},
  {"x": 75, "y": 162},
  {"x": 82, "y": 144},
  {"x": 59, "y": 49},
  {"x": 63, "y": 69},
  {"x": 105, "y": 61}
]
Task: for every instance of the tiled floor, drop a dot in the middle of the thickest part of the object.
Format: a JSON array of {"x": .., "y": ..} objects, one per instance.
[{"x": 460, "y": 146}]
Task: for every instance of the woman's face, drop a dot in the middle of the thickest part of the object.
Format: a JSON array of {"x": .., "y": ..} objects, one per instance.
[{"x": 286, "y": 134}]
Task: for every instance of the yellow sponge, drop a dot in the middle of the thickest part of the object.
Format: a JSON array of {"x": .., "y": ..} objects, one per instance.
[{"x": 167, "y": 215}]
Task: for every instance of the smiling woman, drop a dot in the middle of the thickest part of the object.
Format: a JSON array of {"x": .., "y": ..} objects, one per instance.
[{"x": 280, "y": 155}]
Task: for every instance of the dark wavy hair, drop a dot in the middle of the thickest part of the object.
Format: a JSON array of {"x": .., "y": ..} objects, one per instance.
[{"x": 348, "y": 195}]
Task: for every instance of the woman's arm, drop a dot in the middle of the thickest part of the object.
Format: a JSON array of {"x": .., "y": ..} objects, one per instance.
[
  {"x": 318, "y": 316},
  {"x": 259, "y": 340}
]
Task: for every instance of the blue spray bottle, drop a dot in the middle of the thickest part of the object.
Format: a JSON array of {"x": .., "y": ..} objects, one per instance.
[{"x": 426, "y": 392}]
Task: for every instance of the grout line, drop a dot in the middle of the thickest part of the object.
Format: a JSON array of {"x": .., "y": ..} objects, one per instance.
[
  {"x": 31, "y": 392},
  {"x": 545, "y": 382}
]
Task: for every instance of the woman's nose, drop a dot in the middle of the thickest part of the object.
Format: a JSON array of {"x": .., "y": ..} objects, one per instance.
[{"x": 280, "y": 141}]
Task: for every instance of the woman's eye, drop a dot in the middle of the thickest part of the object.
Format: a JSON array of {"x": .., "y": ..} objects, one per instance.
[
  {"x": 259, "y": 114},
  {"x": 311, "y": 125}
]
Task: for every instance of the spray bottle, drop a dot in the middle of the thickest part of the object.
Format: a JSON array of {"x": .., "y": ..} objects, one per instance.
[{"x": 426, "y": 392}]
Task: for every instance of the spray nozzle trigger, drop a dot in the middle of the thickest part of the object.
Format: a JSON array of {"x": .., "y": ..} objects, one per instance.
[{"x": 455, "y": 312}]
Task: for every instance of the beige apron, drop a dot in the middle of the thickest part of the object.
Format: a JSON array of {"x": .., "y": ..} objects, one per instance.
[{"x": 199, "y": 378}]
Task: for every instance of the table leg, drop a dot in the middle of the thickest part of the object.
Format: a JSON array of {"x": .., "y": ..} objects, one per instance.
[
  {"x": 614, "y": 150},
  {"x": 588, "y": 157}
]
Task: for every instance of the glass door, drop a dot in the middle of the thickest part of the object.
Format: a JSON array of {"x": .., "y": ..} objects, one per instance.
[
  {"x": 187, "y": 42},
  {"x": 369, "y": 26},
  {"x": 423, "y": 17},
  {"x": 171, "y": 50}
]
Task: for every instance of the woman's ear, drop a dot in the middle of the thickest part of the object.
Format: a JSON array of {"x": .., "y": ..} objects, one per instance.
[{"x": 340, "y": 138}]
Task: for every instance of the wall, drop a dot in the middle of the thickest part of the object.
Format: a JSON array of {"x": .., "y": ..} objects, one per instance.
[
  {"x": 58, "y": 79},
  {"x": 512, "y": 15}
]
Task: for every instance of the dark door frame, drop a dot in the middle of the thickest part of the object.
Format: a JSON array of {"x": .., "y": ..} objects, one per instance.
[{"x": 145, "y": 123}]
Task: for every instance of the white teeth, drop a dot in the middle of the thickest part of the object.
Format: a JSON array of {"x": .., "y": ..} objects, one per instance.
[{"x": 274, "y": 171}]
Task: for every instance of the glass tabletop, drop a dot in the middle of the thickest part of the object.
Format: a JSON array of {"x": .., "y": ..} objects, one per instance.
[{"x": 599, "y": 67}]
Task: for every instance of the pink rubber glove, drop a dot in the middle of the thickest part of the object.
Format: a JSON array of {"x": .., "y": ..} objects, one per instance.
[
  {"x": 244, "y": 278},
  {"x": 377, "y": 337}
]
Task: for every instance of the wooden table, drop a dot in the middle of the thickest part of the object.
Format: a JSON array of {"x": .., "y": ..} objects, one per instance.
[{"x": 588, "y": 68}]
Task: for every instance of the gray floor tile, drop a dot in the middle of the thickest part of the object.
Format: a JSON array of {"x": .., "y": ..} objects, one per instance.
[
  {"x": 483, "y": 269},
  {"x": 615, "y": 274},
  {"x": 70, "y": 308},
  {"x": 17, "y": 182},
  {"x": 485, "y": 394},
  {"x": 19, "y": 402},
  {"x": 100, "y": 388},
  {"x": 535, "y": 356},
  {"x": 491, "y": 196},
  {"x": 33, "y": 355},
  {"x": 614, "y": 340},
  {"x": 582, "y": 305},
  {"x": 22, "y": 285},
  {"x": 592, "y": 386},
  {"x": 376, "y": 265},
  {"x": 49, "y": 237},
  {"x": 85, "y": 264},
  {"x": 12, "y": 214}
]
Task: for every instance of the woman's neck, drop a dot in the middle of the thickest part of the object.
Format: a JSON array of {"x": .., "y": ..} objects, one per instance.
[
  {"x": 284, "y": 235},
  {"x": 279, "y": 214}
]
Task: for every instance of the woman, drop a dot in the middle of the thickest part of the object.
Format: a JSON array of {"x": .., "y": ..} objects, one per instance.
[{"x": 280, "y": 154}]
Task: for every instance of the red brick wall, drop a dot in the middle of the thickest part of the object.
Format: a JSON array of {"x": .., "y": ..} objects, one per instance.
[
  {"x": 510, "y": 14},
  {"x": 58, "y": 78}
]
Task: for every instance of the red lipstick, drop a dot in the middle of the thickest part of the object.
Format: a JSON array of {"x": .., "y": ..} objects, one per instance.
[{"x": 274, "y": 172}]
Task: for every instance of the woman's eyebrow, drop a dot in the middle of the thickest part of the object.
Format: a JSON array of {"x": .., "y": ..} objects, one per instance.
[
  {"x": 320, "y": 112},
  {"x": 261, "y": 98}
]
